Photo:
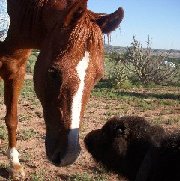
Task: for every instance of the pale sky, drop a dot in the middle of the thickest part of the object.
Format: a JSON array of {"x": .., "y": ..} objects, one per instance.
[{"x": 160, "y": 19}]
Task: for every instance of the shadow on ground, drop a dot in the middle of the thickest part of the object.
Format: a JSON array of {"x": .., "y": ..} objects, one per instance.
[
  {"x": 150, "y": 95},
  {"x": 106, "y": 85},
  {"x": 4, "y": 173}
]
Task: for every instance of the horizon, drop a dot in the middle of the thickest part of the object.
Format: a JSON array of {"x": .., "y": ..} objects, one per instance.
[
  {"x": 160, "y": 22},
  {"x": 121, "y": 46}
]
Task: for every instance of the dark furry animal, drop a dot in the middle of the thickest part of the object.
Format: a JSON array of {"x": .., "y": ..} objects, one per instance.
[
  {"x": 135, "y": 149},
  {"x": 164, "y": 161}
]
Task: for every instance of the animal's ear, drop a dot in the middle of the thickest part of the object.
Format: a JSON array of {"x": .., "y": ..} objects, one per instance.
[
  {"x": 75, "y": 12},
  {"x": 109, "y": 22}
]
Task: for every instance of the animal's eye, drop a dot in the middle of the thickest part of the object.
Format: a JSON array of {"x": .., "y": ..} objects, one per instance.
[
  {"x": 54, "y": 73},
  {"x": 120, "y": 130}
]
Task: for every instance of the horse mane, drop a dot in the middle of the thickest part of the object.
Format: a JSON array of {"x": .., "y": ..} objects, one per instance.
[{"x": 84, "y": 29}]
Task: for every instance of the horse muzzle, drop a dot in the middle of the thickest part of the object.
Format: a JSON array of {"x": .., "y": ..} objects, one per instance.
[{"x": 64, "y": 150}]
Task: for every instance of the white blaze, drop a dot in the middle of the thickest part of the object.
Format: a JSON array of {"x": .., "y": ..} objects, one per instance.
[
  {"x": 14, "y": 156},
  {"x": 77, "y": 99}
]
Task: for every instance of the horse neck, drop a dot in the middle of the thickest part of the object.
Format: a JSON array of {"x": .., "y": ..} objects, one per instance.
[{"x": 32, "y": 20}]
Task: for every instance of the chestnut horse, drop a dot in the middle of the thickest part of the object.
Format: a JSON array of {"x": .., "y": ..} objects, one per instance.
[{"x": 70, "y": 62}]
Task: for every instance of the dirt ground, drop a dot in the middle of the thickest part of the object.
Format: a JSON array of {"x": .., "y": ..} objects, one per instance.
[{"x": 31, "y": 134}]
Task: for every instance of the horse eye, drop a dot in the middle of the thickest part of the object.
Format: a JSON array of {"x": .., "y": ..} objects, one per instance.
[{"x": 54, "y": 73}]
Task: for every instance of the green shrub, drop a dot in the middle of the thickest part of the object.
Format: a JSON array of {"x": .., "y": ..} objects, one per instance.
[
  {"x": 141, "y": 66},
  {"x": 31, "y": 62},
  {"x": 115, "y": 71}
]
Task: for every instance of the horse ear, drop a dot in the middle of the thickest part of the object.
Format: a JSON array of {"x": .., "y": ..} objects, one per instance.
[
  {"x": 109, "y": 22},
  {"x": 75, "y": 12}
]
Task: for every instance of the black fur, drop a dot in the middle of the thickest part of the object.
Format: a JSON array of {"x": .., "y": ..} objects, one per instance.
[
  {"x": 133, "y": 148},
  {"x": 165, "y": 160}
]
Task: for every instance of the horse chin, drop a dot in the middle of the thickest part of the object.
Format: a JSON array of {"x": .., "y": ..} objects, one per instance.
[{"x": 62, "y": 149}]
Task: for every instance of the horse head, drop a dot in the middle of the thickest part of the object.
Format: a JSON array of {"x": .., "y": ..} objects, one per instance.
[{"x": 69, "y": 65}]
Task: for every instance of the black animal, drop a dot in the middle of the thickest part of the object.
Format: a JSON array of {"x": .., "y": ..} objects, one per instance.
[
  {"x": 135, "y": 149},
  {"x": 164, "y": 161}
]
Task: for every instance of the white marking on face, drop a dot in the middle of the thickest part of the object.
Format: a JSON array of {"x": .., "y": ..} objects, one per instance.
[
  {"x": 14, "y": 156},
  {"x": 77, "y": 99}
]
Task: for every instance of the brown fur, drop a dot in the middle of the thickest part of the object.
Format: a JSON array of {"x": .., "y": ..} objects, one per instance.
[{"x": 63, "y": 30}]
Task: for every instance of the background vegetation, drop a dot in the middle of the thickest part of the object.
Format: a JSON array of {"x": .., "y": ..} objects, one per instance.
[
  {"x": 141, "y": 66},
  {"x": 135, "y": 66}
]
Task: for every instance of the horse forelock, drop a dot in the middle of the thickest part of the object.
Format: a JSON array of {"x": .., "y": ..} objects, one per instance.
[
  {"x": 84, "y": 36},
  {"x": 86, "y": 31}
]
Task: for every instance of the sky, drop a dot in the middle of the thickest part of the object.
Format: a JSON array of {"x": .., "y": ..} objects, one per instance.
[{"x": 160, "y": 19}]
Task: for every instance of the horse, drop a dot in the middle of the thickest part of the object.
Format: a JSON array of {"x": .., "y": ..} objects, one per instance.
[{"x": 70, "y": 63}]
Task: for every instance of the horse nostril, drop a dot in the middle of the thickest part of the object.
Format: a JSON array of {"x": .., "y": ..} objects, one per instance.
[
  {"x": 60, "y": 161},
  {"x": 65, "y": 150},
  {"x": 56, "y": 160}
]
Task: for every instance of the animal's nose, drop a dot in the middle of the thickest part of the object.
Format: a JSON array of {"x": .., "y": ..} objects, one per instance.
[
  {"x": 67, "y": 159},
  {"x": 64, "y": 151}
]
